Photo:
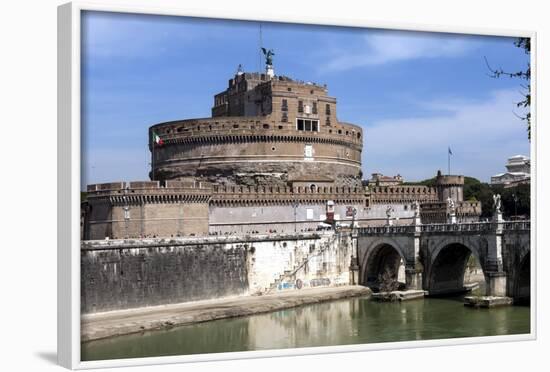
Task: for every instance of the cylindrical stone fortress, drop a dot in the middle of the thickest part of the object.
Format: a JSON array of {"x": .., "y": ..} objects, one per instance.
[{"x": 263, "y": 131}]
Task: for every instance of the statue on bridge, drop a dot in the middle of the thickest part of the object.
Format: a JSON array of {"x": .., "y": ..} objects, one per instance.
[
  {"x": 416, "y": 208},
  {"x": 451, "y": 217},
  {"x": 451, "y": 205},
  {"x": 389, "y": 211},
  {"x": 496, "y": 203}
]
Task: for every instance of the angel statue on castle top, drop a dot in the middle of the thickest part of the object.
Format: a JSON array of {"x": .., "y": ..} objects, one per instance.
[{"x": 268, "y": 53}]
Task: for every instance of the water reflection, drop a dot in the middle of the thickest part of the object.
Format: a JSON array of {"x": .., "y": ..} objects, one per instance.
[{"x": 352, "y": 321}]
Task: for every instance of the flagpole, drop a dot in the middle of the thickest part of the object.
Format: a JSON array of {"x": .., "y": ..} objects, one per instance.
[
  {"x": 260, "y": 49},
  {"x": 448, "y": 162}
]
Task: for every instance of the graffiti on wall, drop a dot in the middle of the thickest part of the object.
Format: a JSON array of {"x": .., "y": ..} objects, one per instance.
[{"x": 299, "y": 284}]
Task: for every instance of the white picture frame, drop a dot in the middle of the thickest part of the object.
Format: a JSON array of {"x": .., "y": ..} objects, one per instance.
[{"x": 69, "y": 105}]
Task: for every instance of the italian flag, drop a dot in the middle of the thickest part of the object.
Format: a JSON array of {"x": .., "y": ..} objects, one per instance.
[{"x": 157, "y": 140}]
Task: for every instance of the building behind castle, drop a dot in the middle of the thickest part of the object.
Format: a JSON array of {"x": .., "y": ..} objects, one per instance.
[{"x": 518, "y": 171}]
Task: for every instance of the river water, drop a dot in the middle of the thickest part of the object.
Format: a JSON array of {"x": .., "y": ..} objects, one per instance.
[{"x": 342, "y": 322}]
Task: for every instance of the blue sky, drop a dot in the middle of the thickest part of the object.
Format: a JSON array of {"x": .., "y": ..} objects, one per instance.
[{"x": 413, "y": 93}]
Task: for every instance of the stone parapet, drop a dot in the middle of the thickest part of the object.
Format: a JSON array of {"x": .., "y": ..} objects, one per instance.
[{"x": 252, "y": 129}]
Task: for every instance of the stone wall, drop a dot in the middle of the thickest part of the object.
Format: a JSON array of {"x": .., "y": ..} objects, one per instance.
[
  {"x": 123, "y": 274},
  {"x": 133, "y": 274}
]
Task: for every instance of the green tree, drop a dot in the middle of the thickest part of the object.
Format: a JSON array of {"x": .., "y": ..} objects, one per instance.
[
  {"x": 516, "y": 201},
  {"x": 474, "y": 190}
]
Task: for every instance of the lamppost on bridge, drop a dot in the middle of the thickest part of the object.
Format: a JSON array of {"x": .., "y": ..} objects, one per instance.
[
  {"x": 515, "y": 199},
  {"x": 354, "y": 264},
  {"x": 126, "y": 209},
  {"x": 354, "y": 213},
  {"x": 295, "y": 205}
]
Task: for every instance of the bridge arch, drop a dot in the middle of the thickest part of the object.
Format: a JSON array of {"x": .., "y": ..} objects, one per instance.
[
  {"x": 522, "y": 282},
  {"x": 448, "y": 263},
  {"x": 382, "y": 257}
]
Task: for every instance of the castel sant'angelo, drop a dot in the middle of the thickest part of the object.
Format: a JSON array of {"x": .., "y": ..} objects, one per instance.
[{"x": 273, "y": 157}]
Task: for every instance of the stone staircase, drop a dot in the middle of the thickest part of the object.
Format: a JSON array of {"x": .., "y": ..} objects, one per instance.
[{"x": 290, "y": 274}]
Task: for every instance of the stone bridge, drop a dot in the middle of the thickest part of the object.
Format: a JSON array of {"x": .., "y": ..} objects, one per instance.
[{"x": 434, "y": 256}]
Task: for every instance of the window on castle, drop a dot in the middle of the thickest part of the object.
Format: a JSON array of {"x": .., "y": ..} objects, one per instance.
[
  {"x": 328, "y": 120},
  {"x": 327, "y": 109},
  {"x": 284, "y": 118},
  {"x": 307, "y": 125},
  {"x": 315, "y": 125},
  {"x": 314, "y": 108},
  {"x": 284, "y": 106},
  {"x": 300, "y": 106}
]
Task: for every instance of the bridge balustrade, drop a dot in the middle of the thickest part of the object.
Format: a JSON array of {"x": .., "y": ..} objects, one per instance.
[{"x": 442, "y": 228}]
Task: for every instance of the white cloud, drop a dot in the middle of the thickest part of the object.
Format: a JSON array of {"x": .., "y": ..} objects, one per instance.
[
  {"x": 482, "y": 136},
  {"x": 390, "y": 46}
]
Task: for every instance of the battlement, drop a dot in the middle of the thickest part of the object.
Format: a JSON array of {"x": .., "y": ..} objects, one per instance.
[
  {"x": 244, "y": 195},
  {"x": 184, "y": 191},
  {"x": 460, "y": 207},
  {"x": 247, "y": 81},
  {"x": 402, "y": 189},
  {"x": 438, "y": 212},
  {"x": 400, "y": 194},
  {"x": 155, "y": 191},
  {"x": 449, "y": 180}
]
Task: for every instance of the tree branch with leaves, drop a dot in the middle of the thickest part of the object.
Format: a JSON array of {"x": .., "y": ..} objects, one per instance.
[{"x": 525, "y": 44}]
